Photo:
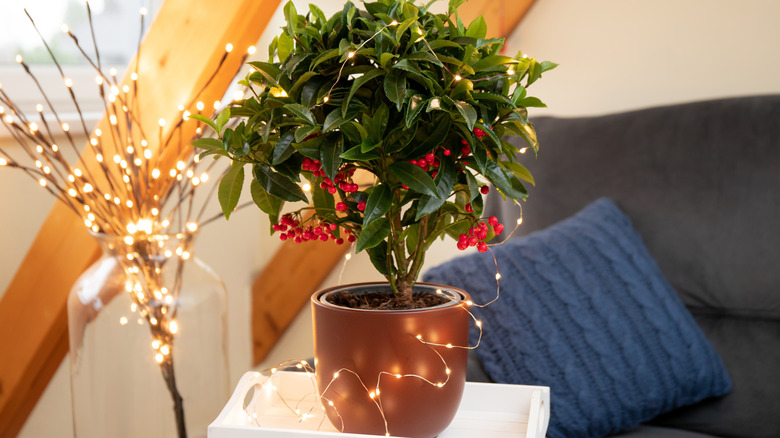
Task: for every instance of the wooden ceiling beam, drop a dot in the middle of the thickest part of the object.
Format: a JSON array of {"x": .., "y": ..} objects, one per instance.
[{"x": 179, "y": 54}]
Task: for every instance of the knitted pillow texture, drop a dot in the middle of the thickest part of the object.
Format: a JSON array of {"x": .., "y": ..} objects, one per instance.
[{"x": 585, "y": 310}]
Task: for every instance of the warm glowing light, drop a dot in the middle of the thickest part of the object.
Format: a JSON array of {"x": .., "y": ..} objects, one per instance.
[
  {"x": 192, "y": 226},
  {"x": 65, "y": 28},
  {"x": 161, "y": 122},
  {"x": 306, "y": 187},
  {"x": 3, "y": 162},
  {"x": 134, "y": 76},
  {"x": 229, "y": 48},
  {"x": 123, "y": 320},
  {"x": 523, "y": 150},
  {"x": 336, "y": 375},
  {"x": 173, "y": 327},
  {"x": 519, "y": 221},
  {"x": 251, "y": 50},
  {"x": 42, "y": 181},
  {"x": 88, "y": 188},
  {"x": 200, "y": 106},
  {"x": 112, "y": 119},
  {"x": 65, "y": 127},
  {"x": 393, "y": 23},
  {"x": 372, "y": 394},
  {"x": 498, "y": 276},
  {"x": 143, "y": 11},
  {"x": 325, "y": 99},
  {"x": 350, "y": 54},
  {"x": 449, "y": 345},
  {"x": 348, "y": 256},
  {"x": 156, "y": 173},
  {"x": 165, "y": 350},
  {"x": 72, "y": 193},
  {"x": 19, "y": 59},
  {"x": 159, "y": 357},
  {"x": 510, "y": 72},
  {"x": 457, "y": 77},
  {"x": 38, "y": 108},
  {"x": 126, "y": 89}
]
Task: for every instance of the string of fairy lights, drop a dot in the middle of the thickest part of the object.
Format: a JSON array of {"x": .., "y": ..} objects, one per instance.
[{"x": 134, "y": 192}]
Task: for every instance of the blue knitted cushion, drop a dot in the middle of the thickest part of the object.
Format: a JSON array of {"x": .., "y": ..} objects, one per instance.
[{"x": 585, "y": 310}]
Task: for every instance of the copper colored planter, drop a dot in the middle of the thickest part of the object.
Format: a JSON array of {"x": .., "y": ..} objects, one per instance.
[{"x": 368, "y": 349}]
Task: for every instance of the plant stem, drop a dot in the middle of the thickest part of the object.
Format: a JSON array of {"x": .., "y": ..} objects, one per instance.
[{"x": 178, "y": 401}]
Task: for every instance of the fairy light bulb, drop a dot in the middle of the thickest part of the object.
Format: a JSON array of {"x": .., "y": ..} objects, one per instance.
[
  {"x": 3, "y": 162},
  {"x": 68, "y": 82},
  {"x": 19, "y": 59},
  {"x": 393, "y": 23},
  {"x": 143, "y": 11},
  {"x": 38, "y": 108},
  {"x": 200, "y": 106},
  {"x": 161, "y": 122},
  {"x": 251, "y": 50},
  {"x": 229, "y": 47},
  {"x": 173, "y": 327},
  {"x": 510, "y": 72},
  {"x": 306, "y": 187},
  {"x": 350, "y": 55},
  {"x": 457, "y": 77},
  {"x": 498, "y": 276}
]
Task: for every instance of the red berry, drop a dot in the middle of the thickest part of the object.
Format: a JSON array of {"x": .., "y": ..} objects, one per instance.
[
  {"x": 464, "y": 142},
  {"x": 498, "y": 228},
  {"x": 361, "y": 206},
  {"x": 340, "y": 206},
  {"x": 332, "y": 227},
  {"x": 482, "y": 234},
  {"x": 463, "y": 237},
  {"x": 339, "y": 241},
  {"x": 447, "y": 152},
  {"x": 485, "y": 190},
  {"x": 318, "y": 230},
  {"x": 423, "y": 163},
  {"x": 405, "y": 186},
  {"x": 473, "y": 240},
  {"x": 429, "y": 157},
  {"x": 324, "y": 237},
  {"x": 332, "y": 190},
  {"x": 413, "y": 162},
  {"x": 465, "y": 150},
  {"x": 323, "y": 185},
  {"x": 462, "y": 245},
  {"x": 482, "y": 247},
  {"x": 282, "y": 236},
  {"x": 492, "y": 220},
  {"x": 351, "y": 238},
  {"x": 469, "y": 209},
  {"x": 298, "y": 239}
]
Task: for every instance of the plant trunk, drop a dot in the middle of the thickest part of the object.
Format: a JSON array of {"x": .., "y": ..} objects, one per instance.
[{"x": 404, "y": 292}]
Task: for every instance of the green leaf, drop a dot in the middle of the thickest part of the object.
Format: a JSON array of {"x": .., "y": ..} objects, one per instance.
[
  {"x": 269, "y": 71},
  {"x": 285, "y": 46},
  {"x": 428, "y": 204},
  {"x": 310, "y": 148},
  {"x": 369, "y": 145},
  {"x": 324, "y": 56},
  {"x": 478, "y": 28},
  {"x": 416, "y": 105},
  {"x": 333, "y": 120},
  {"x": 378, "y": 203},
  {"x": 324, "y": 202},
  {"x": 385, "y": 58},
  {"x": 359, "y": 82},
  {"x": 291, "y": 15},
  {"x": 492, "y": 61},
  {"x": 425, "y": 56},
  {"x": 395, "y": 87},
  {"x": 473, "y": 185},
  {"x": 508, "y": 184},
  {"x": 267, "y": 202},
  {"x": 278, "y": 185},
  {"x": 330, "y": 152},
  {"x": 207, "y": 121},
  {"x": 356, "y": 154},
  {"x": 230, "y": 188},
  {"x": 302, "y": 112},
  {"x": 208, "y": 143},
  {"x": 378, "y": 256},
  {"x": 222, "y": 118},
  {"x": 371, "y": 235},
  {"x": 454, "y": 5},
  {"x": 433, "y": 139},
  {"x": 520, "y": 171},
  {"x": 403, "y": 27},
  {"x": 531, "y": 102},
  {"x": 414, "y": 177},
  {"x": 283, "y": 149},
  {"x": 468, "y": 113}
]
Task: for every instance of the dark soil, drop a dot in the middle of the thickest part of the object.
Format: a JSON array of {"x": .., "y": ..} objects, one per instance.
[{"x": 383, "y": 300}]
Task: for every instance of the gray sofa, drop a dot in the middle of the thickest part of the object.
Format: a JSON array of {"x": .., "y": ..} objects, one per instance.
[{"x": 701, "y": 184}]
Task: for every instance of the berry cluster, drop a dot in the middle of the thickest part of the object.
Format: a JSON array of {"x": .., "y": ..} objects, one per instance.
[
  {"x": 292, "y": 229},
  {"x": 343, "y": 179},
  {"x": 477, "y": 234}
]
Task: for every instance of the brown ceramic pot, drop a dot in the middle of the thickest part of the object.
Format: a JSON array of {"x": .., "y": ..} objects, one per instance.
[{"x": 372, "y": 347}]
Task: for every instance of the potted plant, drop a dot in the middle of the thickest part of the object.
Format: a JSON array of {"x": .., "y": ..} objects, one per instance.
[{"x": 414, "y": 104}]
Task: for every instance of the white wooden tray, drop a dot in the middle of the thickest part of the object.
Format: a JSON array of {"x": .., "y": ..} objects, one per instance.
[{"x": 487, "y": 409}]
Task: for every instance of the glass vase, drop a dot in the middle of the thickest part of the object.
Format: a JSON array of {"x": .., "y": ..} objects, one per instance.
[{"x": 147, "y": 325}]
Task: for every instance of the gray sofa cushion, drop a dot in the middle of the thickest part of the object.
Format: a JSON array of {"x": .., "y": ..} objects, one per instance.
[{"x": 701, "y": 184}]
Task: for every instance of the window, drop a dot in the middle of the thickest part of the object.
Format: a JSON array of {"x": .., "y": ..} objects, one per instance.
[{"x": 117, "y": 27}]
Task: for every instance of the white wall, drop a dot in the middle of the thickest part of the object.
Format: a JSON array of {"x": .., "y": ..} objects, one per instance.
[{"x": 614, "y": 55}]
